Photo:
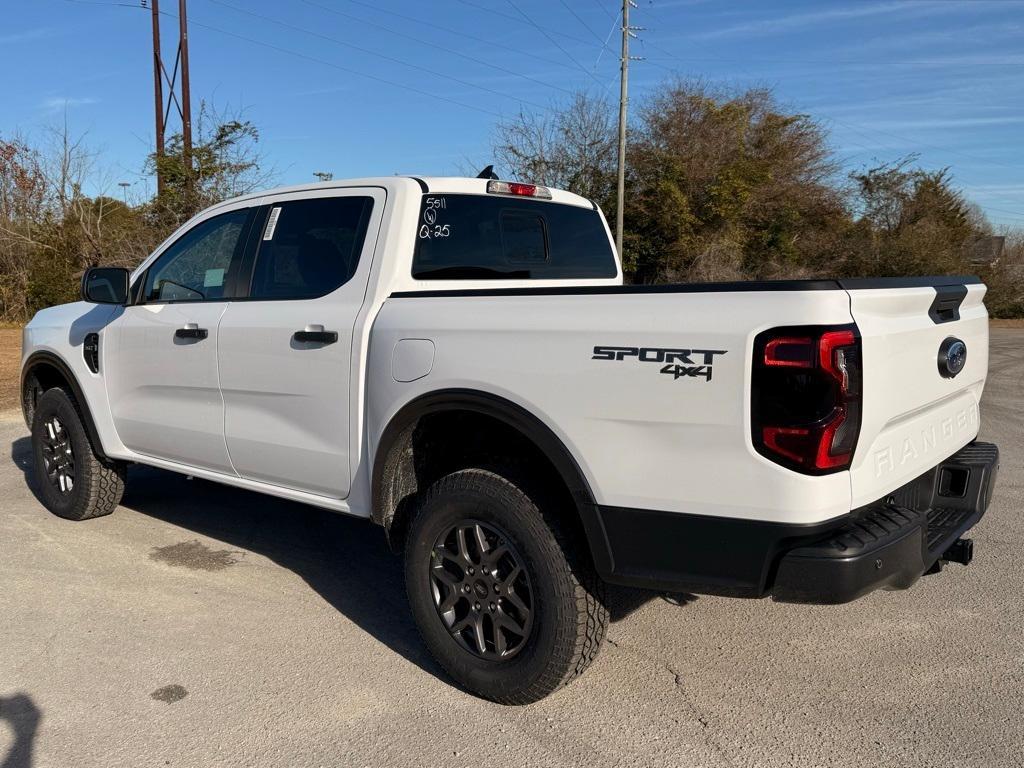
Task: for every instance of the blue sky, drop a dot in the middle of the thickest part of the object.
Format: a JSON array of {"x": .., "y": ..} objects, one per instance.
[{"x": 370, "y": 87}]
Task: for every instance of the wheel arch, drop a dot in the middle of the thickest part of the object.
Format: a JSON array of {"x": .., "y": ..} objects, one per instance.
[
  {"x": 394, "y": 481},
  {"x": 48, "y": 370}
]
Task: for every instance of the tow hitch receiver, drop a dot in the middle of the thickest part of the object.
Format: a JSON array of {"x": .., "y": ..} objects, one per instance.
[{"x": 960, "y": 551}]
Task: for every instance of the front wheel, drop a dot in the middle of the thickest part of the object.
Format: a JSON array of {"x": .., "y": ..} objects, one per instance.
[
  {"x": 503, "y": 600},
  {"x": 73, "y": 482}
]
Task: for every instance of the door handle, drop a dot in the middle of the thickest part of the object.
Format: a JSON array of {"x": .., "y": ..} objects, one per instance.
[
  {"x": 191, "y": 331},
  {"x": 316, "y": 333}
]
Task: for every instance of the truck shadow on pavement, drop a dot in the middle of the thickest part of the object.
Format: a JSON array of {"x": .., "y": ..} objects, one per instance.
[
  {"x": 345, "y": 560},
  {"x": 23, "y": 716}
]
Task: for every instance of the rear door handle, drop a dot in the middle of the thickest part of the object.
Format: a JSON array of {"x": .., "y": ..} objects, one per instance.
[
  {"x": 316, "y": 333},
  {"x": 191, "y": 331}
]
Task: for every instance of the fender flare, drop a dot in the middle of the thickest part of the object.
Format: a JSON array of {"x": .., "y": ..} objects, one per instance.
[
  {"x": 44, "y": 357},
  {"x": 511, "y": 414}
]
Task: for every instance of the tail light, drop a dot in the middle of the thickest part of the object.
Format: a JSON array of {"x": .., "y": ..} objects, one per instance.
[{"x": 806, "y": 397}]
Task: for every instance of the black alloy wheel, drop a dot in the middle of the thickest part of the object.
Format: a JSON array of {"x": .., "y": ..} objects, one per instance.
[
  {"x": 481, "y": 590},
  {"x": 72, "y": 481},
  {"x": 58, "y": 456},
  {"x": 502, "y": 594}
]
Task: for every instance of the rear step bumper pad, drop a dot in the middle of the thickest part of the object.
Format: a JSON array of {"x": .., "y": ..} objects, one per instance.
[{"x": 892, "y": 542}]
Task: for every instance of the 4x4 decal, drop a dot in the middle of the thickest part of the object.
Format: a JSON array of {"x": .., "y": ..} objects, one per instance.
[{"x": 677, "y": 363}]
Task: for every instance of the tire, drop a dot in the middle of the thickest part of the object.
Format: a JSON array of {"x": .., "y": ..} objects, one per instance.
[
  {"x": 517, "y": 656},
  {"x": 73, "y": 482}
]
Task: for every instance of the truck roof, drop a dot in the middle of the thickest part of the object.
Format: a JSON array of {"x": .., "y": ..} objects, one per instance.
[{"x": 451, "y": 185}]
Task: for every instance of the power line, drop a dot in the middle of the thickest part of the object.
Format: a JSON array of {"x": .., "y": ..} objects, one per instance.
[
  {"x": 307, "y": 57},
  {"x": 608, "y": 11},
  {"x": 554, "y": 42},
  {"x": 518, "y": 20},
  {"x": 879, "y": 131},
  {"x": 464, "y": 105},
  {"x": 581, "y": 21},
  {"x": 339, "y": 67},
  {"x": 490, "y": 43},
  {"x": 1002, "y": 210},
  {"x": 371, "y": 52},
  {"x": 138, "y": 5},
  {"x": 913, "y": 141},
  {"x": 452, "y": 51},
  {"x": 608, "y": 37}
]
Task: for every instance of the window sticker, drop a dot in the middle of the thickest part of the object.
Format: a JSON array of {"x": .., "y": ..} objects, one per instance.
[
  {"x": 214, "y": 278},
  {"x": 275, "y": 213},
  {"x": 431, "y": 227}
]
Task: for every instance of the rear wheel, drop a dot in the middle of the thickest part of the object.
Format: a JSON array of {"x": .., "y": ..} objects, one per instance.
[
  {"x": 501, "y": 597},
  {"x": 73, "y": 481}
]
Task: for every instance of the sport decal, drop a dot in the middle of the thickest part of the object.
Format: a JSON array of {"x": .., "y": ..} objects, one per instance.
[{"x": 677, "y": 363}]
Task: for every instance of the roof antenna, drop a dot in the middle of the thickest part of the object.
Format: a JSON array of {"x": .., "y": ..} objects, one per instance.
[{"x": 487, "y": 173}]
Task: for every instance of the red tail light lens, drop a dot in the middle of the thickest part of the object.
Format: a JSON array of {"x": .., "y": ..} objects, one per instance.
[
  {"x": 789, "y": 352},
  {"x": 806, "y": 397}
]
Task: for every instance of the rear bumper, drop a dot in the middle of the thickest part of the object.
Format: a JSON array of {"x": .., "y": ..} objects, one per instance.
[
  {"x": 888, "y": 544},
  {"x": 892, "y": 542}
]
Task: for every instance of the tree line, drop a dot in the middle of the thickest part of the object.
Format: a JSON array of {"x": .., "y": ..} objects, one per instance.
[
  {"x": 727, "y": 185},
  {"x": 52, "y": 229},
  {"x": 720, "y": 185}
]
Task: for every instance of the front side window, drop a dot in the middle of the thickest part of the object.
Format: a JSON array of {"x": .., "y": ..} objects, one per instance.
[
  {"x": 487, "y": 237},
  {"x": 308, "y": 248},
  {"x": 196, "y": 266}
]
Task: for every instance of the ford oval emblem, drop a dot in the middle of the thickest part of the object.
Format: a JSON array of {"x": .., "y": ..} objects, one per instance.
[{"x": 952, "y": 357}]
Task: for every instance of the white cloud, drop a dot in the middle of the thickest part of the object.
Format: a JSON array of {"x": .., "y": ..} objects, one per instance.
[
  {"x": 27, "y": 36},
  {"x": 943, "y": 123},
  {"x": 60, "y": 103},
  {"x": 778, "y": 23}
]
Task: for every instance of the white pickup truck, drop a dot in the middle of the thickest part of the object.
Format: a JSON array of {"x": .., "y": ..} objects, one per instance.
[{"x": 458, "y": 361}]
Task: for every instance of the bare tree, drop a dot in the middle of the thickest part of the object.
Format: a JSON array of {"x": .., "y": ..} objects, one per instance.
[
  {"x": 225, "y": 162},
  {"x": 573, "y": 147},
  {"x": 23, "y": 197}
]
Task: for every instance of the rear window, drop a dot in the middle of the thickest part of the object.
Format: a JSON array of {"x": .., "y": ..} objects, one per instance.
[{"x": 485, "y": 237}]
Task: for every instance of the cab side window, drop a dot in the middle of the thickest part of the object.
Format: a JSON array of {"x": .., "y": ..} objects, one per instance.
[
  {"x": 196, "y": 267},
  {"x": 308, "y": 248}
]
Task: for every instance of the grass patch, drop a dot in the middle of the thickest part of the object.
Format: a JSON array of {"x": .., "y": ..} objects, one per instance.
[{"x": 10, "y": 366}]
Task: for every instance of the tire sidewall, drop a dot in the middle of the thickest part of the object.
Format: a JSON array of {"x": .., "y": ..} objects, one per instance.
[
  {"x": 493, "y": 500},
  {"x": 55, "y": 402}
]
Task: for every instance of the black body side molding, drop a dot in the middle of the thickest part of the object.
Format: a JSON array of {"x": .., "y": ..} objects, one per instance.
[
  {"x": 678, "y": 552},
  {"x": 889, "y": 543}
]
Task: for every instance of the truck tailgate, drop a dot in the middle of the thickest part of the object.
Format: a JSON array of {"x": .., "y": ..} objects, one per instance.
[{"x": 914, "y": 416}]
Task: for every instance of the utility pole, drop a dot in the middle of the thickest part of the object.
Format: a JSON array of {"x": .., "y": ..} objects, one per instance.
[
  {"x": 186, "y": 99},
  {"x": 627, "y": 32},
  {"x": 158, "y": 93},
  {"x": 183, "y": 103}
]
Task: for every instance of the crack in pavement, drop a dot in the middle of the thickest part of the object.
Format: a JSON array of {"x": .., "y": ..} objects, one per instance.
[{"x": 699, "y": 715}]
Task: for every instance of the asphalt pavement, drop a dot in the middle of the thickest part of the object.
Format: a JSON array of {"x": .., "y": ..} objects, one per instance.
[{"x": 205, "y": 626}]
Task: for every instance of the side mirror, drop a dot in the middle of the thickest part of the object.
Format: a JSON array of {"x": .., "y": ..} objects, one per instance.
[{"x": 105, "y": 285}]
